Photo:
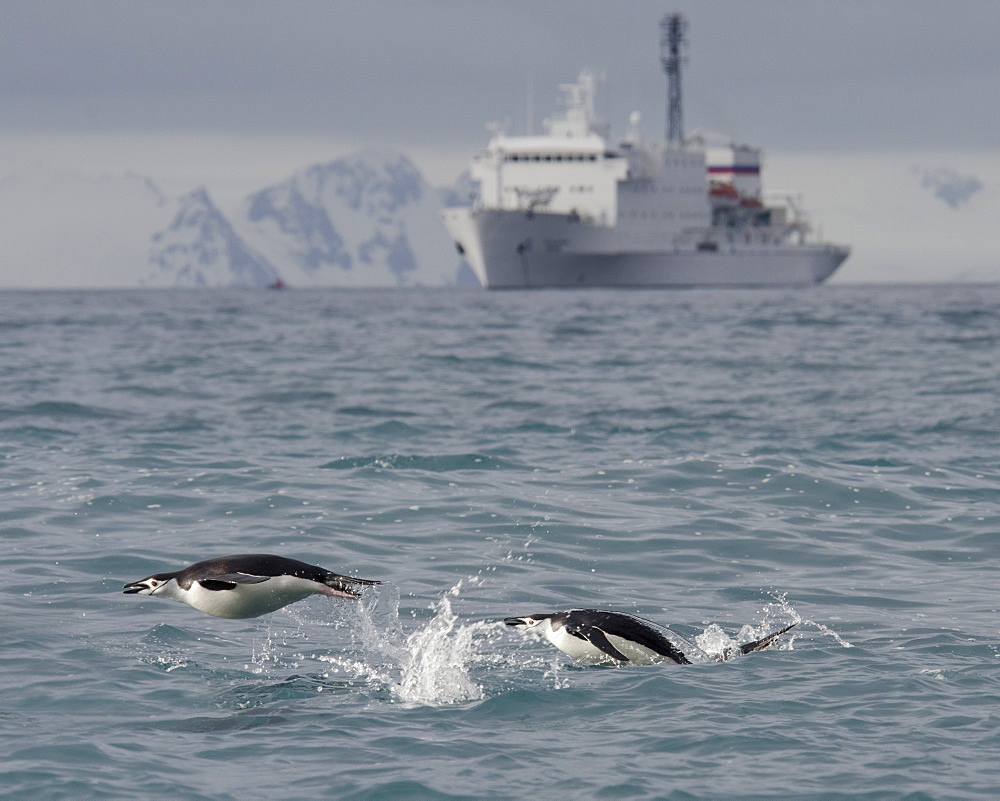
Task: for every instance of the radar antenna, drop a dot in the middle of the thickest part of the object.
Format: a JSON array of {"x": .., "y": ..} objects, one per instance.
[{"x": 672, "y": 28}]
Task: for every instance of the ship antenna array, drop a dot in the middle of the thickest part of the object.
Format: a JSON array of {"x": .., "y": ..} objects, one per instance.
[{"x": 672, "y": 28}]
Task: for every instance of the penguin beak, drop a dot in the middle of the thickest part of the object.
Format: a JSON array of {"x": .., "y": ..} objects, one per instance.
[
  {"x": 136, "y": 587},
  {"x": 517, "y": 621}
]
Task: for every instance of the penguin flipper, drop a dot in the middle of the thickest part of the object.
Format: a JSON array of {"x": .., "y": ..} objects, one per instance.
[
  {"x": 228, "y": 581},
  {"x": 599, "y": 640},
  {"x": 764, "y": 642}
]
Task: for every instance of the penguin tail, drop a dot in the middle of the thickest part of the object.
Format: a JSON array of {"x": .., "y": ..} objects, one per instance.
[{"x": 764, "y": 642}]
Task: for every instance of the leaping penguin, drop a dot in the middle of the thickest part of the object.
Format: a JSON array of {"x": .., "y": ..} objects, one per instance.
[
  {"x": 598, "y": 637},
  {"x": 245, "y": 585}
]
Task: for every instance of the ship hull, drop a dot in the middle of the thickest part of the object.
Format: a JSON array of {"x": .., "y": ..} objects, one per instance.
[{"x": 518, "y": 250}]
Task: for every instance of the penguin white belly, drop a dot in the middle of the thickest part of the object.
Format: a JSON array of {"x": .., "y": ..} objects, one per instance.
[
  {"x": 574, "y": 646},
  {"x": 250, "y": 600},
  {"x": 637, "y": 654}
]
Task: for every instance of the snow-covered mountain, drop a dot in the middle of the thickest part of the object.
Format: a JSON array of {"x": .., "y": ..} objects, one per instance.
[
  {"x": 201, "y": 248},
  {"x": 366, "y": 220},
  {"x": 950, "y": 187}
]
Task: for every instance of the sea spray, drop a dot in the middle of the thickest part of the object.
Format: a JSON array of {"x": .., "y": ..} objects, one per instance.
[
  {"x": 430, "y": 666},
  {"x": 436, "y": 670},
  {"x": 717, "y": 644},
  {"x": 378, "y": 626},
  {"x": 379, "y": 641},
  {"x": 773, "y": 616},
  {"x": 721, "y": 647},
  {"x": 267, "y": 650},
  {"x": 780, "y": 610}
]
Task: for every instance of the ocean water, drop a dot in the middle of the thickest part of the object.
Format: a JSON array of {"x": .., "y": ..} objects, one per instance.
[{"x": 720, "y": 462}]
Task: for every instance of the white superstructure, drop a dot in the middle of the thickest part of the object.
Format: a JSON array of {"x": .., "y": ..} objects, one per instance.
[{"x": 568, "y": 208}]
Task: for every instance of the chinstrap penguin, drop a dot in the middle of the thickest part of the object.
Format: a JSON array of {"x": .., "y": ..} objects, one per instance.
[
  {"x": 246, "y": 585},
  {"x": 599, "y": 637}
]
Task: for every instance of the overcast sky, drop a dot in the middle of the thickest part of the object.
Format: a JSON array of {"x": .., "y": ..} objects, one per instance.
[{"x": 426, "y": 75}]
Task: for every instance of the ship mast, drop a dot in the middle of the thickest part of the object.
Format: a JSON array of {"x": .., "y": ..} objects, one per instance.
[{"x": 672, "y": 28}]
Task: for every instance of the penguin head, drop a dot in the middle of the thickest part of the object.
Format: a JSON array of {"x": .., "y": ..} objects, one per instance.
[{"x": 148, "y": 586}]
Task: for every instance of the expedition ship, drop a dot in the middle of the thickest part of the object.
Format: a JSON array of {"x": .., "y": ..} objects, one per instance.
[{"x": 570, "y": 209}]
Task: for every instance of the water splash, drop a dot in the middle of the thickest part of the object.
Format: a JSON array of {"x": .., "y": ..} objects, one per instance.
[
  {"x": 263, "y": 652},
  {"x": 719, "y": 646},
  {"x": 772, "y": 617},
  {"x": 168, "y": 663},
  {"x": 830, "y": 633},
  {"x": 429, "y": 667},
  {"x": 436, "y": 670},
  {"x": 274, "y": 649},
  {"x": 781, "y": 609}
]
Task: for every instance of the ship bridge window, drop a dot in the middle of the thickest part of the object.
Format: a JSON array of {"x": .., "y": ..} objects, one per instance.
[{"x": 551, "y": 157}]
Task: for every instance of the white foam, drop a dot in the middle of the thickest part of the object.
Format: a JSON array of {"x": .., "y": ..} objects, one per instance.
[
  {"x": 783, "y": 609},
  {"x": 431, "y": 666},
  {"x": 436, "y": 670},
  {"x": 717, "y": 644}
]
